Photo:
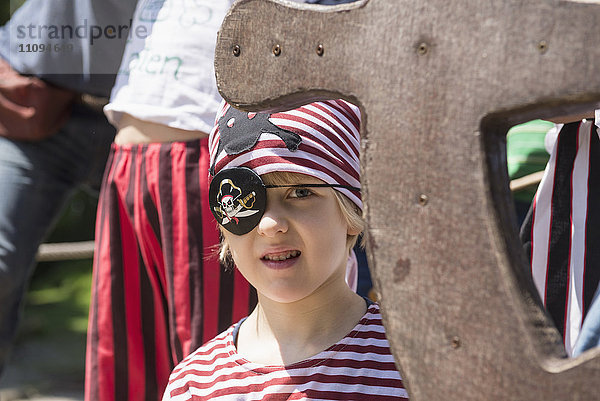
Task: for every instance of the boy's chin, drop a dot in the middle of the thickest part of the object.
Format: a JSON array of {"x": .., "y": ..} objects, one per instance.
[{"x": 287, "y": 296}]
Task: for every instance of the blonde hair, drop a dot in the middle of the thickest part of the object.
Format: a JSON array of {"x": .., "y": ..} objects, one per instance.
[{"x": 350, "y": 212}]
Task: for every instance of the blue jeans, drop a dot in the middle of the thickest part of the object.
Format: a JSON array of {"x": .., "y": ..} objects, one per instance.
[
  {"x": 589, "y": 337},
  {"x": 36, "y": 179}
]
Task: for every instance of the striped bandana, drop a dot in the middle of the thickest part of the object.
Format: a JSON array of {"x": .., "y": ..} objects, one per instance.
[{"x": 320, "y": 139}]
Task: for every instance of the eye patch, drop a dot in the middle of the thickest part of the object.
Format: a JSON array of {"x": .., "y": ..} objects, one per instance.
[{"x": 238, "y": 198}]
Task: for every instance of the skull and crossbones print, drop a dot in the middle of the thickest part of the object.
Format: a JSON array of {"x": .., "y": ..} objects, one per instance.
[{"x": 231, "y": 207}]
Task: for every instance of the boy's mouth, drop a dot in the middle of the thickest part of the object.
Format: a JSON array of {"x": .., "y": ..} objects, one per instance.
[{"x": 282, "y": 255}]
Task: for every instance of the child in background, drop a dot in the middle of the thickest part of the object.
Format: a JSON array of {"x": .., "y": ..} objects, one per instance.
[{"x": 285, "y": 191}]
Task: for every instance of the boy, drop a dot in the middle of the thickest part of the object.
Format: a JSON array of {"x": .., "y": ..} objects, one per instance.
[{"x": 285, "y": 191}]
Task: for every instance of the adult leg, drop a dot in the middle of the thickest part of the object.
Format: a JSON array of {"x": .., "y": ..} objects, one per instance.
[
  {"x": 156, "y": 296},
  {"x": 204, "y": 298},
  {"x": 35, "y": 180}
]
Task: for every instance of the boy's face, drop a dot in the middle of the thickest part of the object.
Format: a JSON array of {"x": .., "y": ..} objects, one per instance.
[{"x": 299, "y": 244}]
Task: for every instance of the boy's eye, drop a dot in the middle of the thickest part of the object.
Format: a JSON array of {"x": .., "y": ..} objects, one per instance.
[{"x": 300, "y": 192}]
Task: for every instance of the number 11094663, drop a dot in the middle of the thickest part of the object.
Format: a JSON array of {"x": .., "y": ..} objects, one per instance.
[{"x": 44, "y": 47}]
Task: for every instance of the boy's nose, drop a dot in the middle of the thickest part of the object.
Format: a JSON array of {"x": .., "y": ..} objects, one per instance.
[{"x": 272, "y": 222}]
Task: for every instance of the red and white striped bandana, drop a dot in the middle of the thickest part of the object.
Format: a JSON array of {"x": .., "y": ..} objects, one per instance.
[{"x": 320, "y": 139}]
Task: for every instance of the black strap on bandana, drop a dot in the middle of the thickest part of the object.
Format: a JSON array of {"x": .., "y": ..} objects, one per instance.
[
  {"x": 238, "y": 198},
  {"x": 314, "y": 186}
]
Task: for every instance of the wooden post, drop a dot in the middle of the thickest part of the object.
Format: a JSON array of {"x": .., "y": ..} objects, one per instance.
[{"x": 439, "y": 83}]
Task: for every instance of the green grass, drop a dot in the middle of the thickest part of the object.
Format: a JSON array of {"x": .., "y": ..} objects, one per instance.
[{"x": 58, "y": 300}]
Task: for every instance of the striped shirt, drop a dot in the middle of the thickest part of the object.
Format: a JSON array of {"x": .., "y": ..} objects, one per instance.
[
  {"x": 561, "y": 232},
  {"x": 358, "y": 367}
]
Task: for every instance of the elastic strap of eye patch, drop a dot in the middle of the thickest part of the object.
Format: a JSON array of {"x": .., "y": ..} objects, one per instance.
[{"x": 314, "y": 186}]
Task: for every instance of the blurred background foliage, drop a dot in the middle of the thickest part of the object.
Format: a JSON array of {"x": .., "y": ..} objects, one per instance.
[
  {"x": 7, "y": 7},
  {"x": 58, "y": 298}
]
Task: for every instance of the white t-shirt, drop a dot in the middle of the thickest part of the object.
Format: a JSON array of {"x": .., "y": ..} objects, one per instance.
[{"x": 167, "y": 74}]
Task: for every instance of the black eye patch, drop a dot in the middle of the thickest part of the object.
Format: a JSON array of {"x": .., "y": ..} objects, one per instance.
[{"x": 238, "y": 198}]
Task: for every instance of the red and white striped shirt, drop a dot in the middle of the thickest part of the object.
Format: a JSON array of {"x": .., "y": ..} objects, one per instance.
[
  {"x": 561, "y": 232},
  {"x": 358, "y": 367}
]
